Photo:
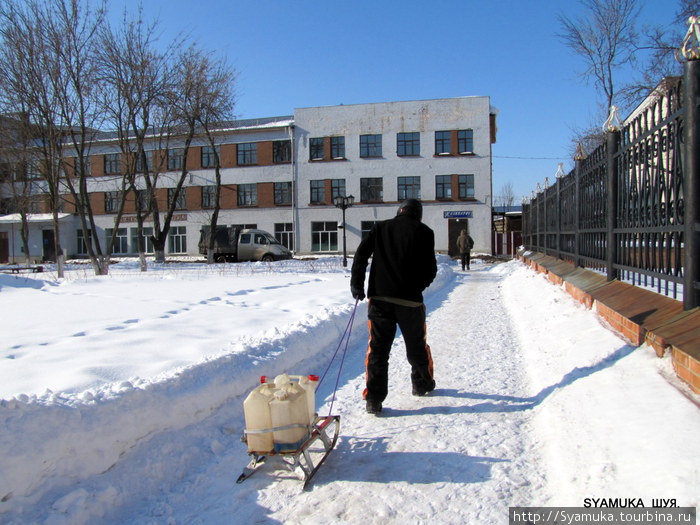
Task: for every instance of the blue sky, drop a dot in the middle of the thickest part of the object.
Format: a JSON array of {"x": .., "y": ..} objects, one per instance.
[{"x": 300, "y": 53}]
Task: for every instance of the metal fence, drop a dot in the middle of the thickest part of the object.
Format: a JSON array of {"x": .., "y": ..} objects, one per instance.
[{"x": 630, "y": 209}]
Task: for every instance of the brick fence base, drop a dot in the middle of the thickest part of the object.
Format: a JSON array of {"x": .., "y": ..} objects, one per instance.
[{"x": 640, "y": 316}]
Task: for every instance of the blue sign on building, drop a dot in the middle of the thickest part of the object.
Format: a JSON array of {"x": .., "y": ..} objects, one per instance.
[{"x": 457, "y": 214}]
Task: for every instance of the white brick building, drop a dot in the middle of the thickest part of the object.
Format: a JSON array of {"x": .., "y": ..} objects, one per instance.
[{"x": 281, "y": 174}]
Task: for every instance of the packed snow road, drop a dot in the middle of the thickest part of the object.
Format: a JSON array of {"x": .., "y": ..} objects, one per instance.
[{"x": 537, "y": 403}]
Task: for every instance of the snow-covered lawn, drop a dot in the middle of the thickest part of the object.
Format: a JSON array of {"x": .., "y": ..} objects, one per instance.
[{"x": 122, "y": 400}]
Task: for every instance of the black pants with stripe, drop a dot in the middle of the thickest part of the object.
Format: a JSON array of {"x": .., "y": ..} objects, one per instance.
[{"x": 383, "y": 318}]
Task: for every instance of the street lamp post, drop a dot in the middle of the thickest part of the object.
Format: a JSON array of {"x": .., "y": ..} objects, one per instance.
[{"x": 344, "y": 202}]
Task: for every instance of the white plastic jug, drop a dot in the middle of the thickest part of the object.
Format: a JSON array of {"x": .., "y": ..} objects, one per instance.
[
  {"x": 309, "y": 384},
  {"x": 256, "y": 409},
  {"x": 289, "y": 408}
]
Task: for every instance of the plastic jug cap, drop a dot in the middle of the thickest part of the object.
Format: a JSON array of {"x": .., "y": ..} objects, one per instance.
[
  {"x": 281, "y": 395},
  {"x": 281, "y": 380},
  {"x": 313, "y": 377}
]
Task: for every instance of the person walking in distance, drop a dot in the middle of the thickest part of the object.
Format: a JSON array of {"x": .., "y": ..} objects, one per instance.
[
  {"x": 465, "y": 244},
  {"x": 403, "y": 265}
]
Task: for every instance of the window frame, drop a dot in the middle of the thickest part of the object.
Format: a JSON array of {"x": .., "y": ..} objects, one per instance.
[
  {"x": 317, "y": 191},
  {"x": 369, "y": 186},
  {"x": 176, "y": 158},
  {"x": 247, "y": 195},
  {"x": 181, "y": 203},
  {"x": 408, "y": 144},
  {"x": 112, "y": 164},
  {"x": 443, "y": 187},
  {"x": 247, "y": 154},
  {"x": 337, "y": 147},
  {"x": 283, "y": 193},
  {"x": 465, "y": 184},
  {"x": 465, "y": 141},
  {"x": 324, "y": 236},
  {"x": 408, "y": 187},
  {"x": 281, "y": 151},
  {"x": 371, "y": 146},
  {"x": 316, "y": 148},
  {"x": 443, "y": 142},
  {"x": 207, "y": 157}
]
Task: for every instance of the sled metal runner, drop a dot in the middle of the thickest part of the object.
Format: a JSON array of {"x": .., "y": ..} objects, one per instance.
[{"x": 321, "y": 440}]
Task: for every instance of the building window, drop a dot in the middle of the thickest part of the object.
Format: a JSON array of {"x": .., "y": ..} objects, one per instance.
[
  {"x": 247, "y": 154},
  {"x": 366, "y": 227},
  {"x": 443, "y": 187},
  {"x": 181, "y": 202},
  {"x": 316, "y": 148},
  {"x": 466, "y": 186},
  {"x": 284, "y": 233},
  {"x": 338, "y": 147},
  {"x": 146, "y": 238},
  {"x": 318, "y": 191},
  {"x": 209, "y": 156},
  {"x": 337, "y": 188},
  {"x": 139, "y": 162},
  {"x": 142, "y": 200},
  {"x": 208, "y": 196},
  {"x": 443, "y": 142},
  {"x": 283, "y": 193},
  {"x": 371, "y": 189},
  {"x": 324, "y": 236},
  {"x": 282, "y": 151},
  {"x": 408, "y": 188},
  {"x": 370, "y": 146},
  {"x": 82, "y": 246},
  {"x": 408, "y": 144},
  {"x": 112, "y": 201},
  {"x": 465, "y": 141},
  {"x": 121, "y": 240},
  {"x": 177, "y": 239},
  {"x": 247, "y": 194},
  {"x": 175, "y": 158},
  {"x": 112, "y": 165}
]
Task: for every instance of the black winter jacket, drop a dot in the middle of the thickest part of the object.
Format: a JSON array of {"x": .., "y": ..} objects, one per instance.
[{"x": 403, "y": 259}]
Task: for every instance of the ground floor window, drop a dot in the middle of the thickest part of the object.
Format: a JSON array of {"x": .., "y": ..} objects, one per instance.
[
  {"x": 121, "y": 240},
  {"x": 324, "y": 236},
  {"x": 177, "y": 239},
  {"x": 284, "y": 233},
  {"x": 147, "y": 239},
  {"x": 82, "y": 246},
  {"x": 366, "y": 227}
]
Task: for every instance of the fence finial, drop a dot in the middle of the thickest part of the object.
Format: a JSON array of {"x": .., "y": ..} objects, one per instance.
[
  {"x": 691, "y": 43},
  {"x": 560, "y": 171},
  {"x": 580, "y": 154},
  {"x": 613, "y": 122}
]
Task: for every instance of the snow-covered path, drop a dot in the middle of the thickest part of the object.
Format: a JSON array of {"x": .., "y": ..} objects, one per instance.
[
  {"x": 469, "y": 442},
  {"x": 537, "y": 403}
]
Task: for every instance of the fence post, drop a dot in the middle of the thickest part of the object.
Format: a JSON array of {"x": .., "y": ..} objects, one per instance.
[
  {"x": 611, "y": 136},
  {"x": 691, "y": 185},
  {"x": 578, "y": 158}
]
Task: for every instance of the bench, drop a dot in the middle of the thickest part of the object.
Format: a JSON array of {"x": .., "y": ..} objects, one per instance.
[{"x": 18, "y": 269}]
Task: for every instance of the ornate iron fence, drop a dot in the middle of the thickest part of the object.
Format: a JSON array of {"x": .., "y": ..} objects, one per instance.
[{"x": 630, "y": 208}]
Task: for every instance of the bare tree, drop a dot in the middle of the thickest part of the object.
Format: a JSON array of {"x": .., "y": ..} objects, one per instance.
[
  {"x": 656, "y": 53},
  {"x": 201, "y": 91},
  {"x": 137, "y": 77},
  {"x": 506, "y": 197},
  {"x": 605, "y": 37}
]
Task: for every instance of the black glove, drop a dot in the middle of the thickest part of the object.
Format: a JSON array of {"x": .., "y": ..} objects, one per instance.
[{"x": 357, "y": 293}]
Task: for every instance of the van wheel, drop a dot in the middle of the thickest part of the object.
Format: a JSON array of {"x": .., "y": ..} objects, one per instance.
[{"x": 267, "y": 258}]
